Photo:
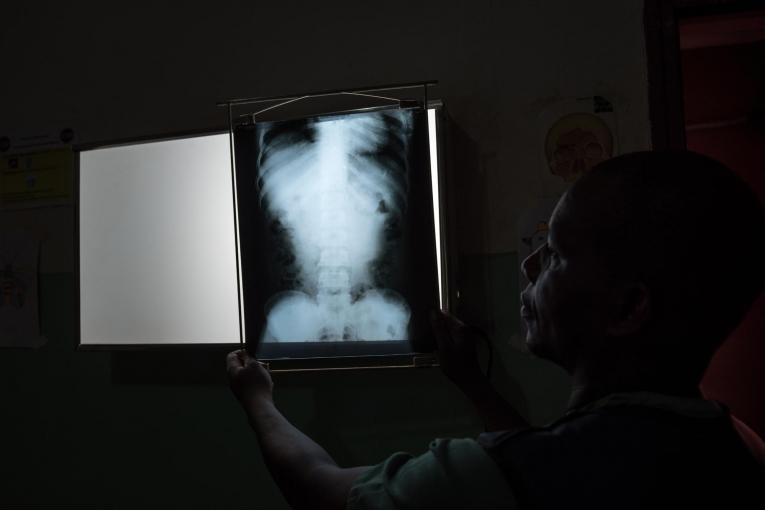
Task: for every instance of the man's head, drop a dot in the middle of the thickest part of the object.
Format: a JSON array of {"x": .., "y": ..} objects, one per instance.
[{"x": 652, "y": 256}]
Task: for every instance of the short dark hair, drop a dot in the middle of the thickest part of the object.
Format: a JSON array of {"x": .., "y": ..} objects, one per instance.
[{"x": 689, "y": 228}]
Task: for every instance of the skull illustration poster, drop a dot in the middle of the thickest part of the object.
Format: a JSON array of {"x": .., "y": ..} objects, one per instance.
[
  {"x": 337, "y": 233},
  {"x": 575, "y": 135}
]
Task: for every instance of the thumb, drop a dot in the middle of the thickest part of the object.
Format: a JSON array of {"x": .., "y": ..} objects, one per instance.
[
  {"x": 234, "y": 362},
  {"x": 246, "y": 358}
]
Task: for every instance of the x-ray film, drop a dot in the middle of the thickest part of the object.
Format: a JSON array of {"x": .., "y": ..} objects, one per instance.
[{"x": 337, "y": 234}]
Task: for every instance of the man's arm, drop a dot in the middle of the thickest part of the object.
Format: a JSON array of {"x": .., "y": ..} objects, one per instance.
[
  {"x": 459, "y": 362},
  {"x": 306, "y": 474}
]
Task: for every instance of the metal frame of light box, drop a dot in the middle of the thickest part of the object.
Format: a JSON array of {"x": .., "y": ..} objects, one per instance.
[{"x": 381, "y": 361}]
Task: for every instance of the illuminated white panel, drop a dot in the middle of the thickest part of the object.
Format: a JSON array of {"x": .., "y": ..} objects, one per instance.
[{"x": 157, "y": 248}]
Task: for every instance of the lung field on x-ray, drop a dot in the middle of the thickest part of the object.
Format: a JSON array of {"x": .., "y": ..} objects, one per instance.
[{"x": 333, "y": 193}]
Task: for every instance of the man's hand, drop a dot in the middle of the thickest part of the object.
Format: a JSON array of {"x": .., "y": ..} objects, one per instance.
[
  {"x": 458, "y": 356},
  {"x": 249, "y": 379},
  {"x": 457, "y": 351},
  {"x": 306, "y": 474}
]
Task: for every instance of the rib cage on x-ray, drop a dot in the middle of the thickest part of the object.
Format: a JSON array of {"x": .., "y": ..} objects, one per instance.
[{"x": 334, "y": 192}]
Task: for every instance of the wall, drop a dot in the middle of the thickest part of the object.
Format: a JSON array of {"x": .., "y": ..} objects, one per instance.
[{"x": 74, "y": 436}]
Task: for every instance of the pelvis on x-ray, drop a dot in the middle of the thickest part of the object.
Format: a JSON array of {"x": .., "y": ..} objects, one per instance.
[{"x": 333, "y": 192}]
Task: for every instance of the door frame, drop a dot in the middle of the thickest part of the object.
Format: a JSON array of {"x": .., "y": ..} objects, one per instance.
[{"x": 665, "y": 81}]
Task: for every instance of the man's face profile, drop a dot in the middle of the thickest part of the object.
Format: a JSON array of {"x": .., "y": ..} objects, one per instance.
[
  {"x": 564, "y": 305},
  {"x": 619, "y": 279}
]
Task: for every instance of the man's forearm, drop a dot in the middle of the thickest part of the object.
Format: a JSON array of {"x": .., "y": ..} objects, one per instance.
[
  {"x": 300, "y": 467},
  {"x": 289, "y": 454}
]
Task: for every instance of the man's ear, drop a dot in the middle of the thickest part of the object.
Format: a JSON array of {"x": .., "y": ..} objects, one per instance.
[{"x": 632, "y": 310}]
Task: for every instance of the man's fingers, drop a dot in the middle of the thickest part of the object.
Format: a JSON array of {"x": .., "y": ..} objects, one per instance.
[
  {"x": 233, "y": 359},
  {"x": 237, "y": 360},
  {"x": 249, "y": 360},
  {"x": 233, "y": 364},
  {"x": 455, "y": 326}
]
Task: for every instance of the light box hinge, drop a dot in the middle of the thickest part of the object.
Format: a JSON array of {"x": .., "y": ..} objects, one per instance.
[{"x": 425, "y": 360}]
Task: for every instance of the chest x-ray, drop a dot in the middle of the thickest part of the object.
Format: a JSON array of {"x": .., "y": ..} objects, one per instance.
[{"x": 336, "y": 229}]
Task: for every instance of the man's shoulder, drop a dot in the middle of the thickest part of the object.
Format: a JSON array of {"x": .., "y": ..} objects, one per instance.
[
  {"x": 625, "y": 446},
  {"x": 618, "y": 426}
]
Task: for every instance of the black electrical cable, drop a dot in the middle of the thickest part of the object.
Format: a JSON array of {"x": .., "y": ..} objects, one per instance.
[
  {"x": 489, "y": 349},
  {"x": 490, "y": 358}
]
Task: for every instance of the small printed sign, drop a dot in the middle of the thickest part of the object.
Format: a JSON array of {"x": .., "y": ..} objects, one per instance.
[{"x": 37, "y": 178}]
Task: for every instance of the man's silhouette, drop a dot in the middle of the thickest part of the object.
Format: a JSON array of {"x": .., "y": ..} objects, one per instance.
[{"x": 652, "y": 260}]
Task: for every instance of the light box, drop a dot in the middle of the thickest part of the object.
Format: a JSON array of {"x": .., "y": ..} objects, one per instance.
[{"x": 158, "y": 254}]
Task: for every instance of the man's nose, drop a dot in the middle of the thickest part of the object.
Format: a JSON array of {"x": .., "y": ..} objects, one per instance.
[{"x": 532, "y": 265}]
